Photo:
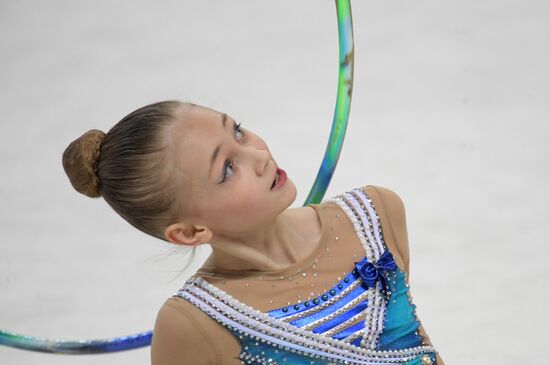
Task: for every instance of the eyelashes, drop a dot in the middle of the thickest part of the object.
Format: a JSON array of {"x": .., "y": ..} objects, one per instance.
[
  {"x": 229, "y": 163},
  {"x": 238, "y": 128}
]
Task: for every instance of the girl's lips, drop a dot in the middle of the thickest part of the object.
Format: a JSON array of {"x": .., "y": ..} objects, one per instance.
[{"x": 281, "y": 180}]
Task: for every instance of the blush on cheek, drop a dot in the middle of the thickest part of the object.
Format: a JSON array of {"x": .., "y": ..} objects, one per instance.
[{"x": 248, "y": 210}]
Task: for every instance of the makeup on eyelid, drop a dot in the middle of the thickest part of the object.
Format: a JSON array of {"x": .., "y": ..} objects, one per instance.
[{"x": 236, "y": 128}]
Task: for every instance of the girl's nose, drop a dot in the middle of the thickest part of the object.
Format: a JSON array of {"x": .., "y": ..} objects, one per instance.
[{"x": 263, "y": 157}]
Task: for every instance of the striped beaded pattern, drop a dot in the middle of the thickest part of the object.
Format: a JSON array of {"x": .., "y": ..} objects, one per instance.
[
  {"x": 358, "y": 207},
  {"x": 249, "y": 322}
]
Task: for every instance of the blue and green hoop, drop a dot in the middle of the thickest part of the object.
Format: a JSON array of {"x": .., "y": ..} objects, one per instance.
[{"x": 317, "y": 191}]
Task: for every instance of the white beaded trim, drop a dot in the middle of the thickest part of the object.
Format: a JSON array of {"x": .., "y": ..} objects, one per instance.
[
  {"x": 358, "y": 207},
  {"x": 215, "y": 309},
  {"x": 355, "y": 335},
  {"x": 376, "y": 230},
  {"x": 371, "y": 311},
  {"x": 367, "y": 202},
  {"x": 371, "y": 319},
  {"x": 356, "y": 225},
  {"x": 366, "y": 224},
  {"x": 366, "y": 230},
  {"x": 276, "y": 331}
]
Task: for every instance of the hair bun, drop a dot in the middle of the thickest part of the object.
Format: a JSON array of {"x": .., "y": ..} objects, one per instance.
[{"x": 80, "y": 162}]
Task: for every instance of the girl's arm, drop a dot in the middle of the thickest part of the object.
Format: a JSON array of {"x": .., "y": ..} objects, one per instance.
[{"x": 179, "y": 338}]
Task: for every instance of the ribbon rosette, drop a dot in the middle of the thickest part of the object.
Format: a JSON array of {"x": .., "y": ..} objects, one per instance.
[{"x": 370, "y": 273}]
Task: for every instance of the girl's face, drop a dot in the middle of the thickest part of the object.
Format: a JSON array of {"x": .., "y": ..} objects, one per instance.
[{"x": 226, "y": 173}]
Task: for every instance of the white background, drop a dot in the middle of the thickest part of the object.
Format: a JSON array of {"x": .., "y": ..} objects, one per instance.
[{"x": 450, "y": 110}]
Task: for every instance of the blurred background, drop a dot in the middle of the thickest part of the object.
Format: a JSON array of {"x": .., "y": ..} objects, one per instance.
[{"x": 450, "y": 110}]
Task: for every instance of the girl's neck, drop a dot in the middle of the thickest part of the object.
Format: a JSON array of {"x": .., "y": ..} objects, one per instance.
[{"x": 294, "y": 234}]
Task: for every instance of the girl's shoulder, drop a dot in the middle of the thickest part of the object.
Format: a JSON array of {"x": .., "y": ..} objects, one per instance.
[
  {"x": 185, "y": 335},
  {"x": 177, "y": 333},
  {"x": 392, "y": 211},
  {"x": 391, "y": 216}
]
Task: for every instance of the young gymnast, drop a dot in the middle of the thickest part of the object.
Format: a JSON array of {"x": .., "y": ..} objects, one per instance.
[{"x": 322, "y": 284}]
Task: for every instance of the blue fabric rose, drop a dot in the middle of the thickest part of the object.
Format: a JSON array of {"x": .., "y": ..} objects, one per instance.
[{"x": 370, "y": 273}]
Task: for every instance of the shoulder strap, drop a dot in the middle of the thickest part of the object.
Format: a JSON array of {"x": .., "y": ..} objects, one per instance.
[{"x": 360, "y": 209}]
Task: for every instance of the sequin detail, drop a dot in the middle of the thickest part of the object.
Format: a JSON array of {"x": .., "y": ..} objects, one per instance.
[{"x": 262, "y": 328}]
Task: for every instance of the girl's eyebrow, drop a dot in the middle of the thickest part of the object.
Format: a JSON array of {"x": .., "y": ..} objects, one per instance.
[{"x": 217, "y": 149}]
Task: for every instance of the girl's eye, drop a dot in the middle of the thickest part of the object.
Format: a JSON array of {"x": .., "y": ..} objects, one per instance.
[
  {"x": 238, "y": 129},
  {"x": 228, "y": 163}
]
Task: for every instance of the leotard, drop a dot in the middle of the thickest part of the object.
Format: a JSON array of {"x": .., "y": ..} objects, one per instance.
[{"x": 348, "y": 302}]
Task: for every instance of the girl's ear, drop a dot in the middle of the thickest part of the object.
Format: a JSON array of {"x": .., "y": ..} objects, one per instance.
[{"x": 188, "y": 234}]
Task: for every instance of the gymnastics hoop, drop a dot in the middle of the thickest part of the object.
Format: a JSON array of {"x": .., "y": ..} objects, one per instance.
[{"x": 317, "y": 191}]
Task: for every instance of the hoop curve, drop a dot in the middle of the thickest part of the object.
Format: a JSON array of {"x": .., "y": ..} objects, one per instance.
[{"x": 317, "y": 191}]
